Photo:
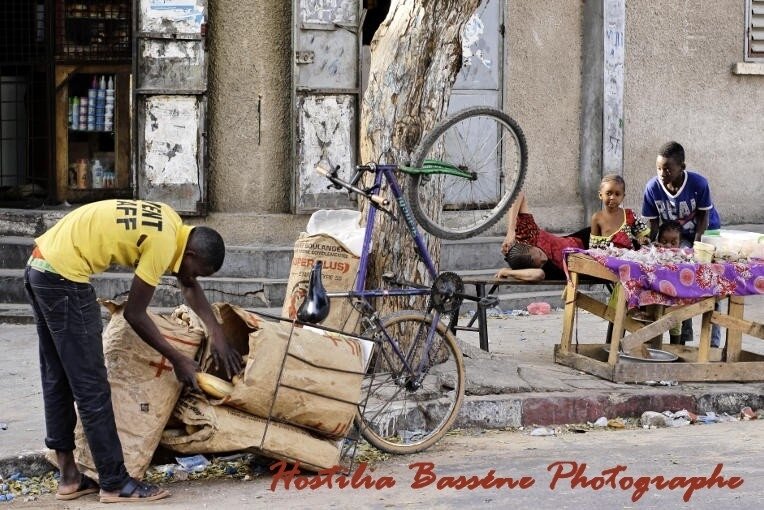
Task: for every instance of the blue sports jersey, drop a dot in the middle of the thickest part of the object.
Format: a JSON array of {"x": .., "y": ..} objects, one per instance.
[{"x": 693, "y": 195}]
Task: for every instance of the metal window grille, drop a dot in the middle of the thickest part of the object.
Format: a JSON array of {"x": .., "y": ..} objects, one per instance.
[
  {"x": 25, "y": 53},
  {"x": 93, "y": 30},
  {"x": 754, "y": 41}
]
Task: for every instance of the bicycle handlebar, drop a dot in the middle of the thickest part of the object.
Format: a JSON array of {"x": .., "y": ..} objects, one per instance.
[{"x": 324, "y": 169}]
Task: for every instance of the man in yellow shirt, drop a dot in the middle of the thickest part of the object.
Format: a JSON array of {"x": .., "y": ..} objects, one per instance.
[{"x": 152, "y": 238}]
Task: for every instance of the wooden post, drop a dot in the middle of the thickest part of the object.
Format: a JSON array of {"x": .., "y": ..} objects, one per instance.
[
  {"x": 657, "y": 313},
  {"x": 571, "y": 290},
  {"x": 734, "y": 336},
  {"x": 705, "y": 337},
  {"x": 620, "y": 317}
]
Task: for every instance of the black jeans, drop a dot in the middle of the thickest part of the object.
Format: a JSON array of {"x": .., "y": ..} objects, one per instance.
[{"x": 72, "y": 369}]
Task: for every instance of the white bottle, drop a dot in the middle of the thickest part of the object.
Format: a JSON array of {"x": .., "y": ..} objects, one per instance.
[{"x": 97, "y": 174}]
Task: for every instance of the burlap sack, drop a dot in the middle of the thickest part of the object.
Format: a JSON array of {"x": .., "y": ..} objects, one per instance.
[
  {"x": 218, "y": 429},
  {"x": 319, "y": 385},
  {"x": 144, "y": 388},
  {"x": 337, "y": 274}
]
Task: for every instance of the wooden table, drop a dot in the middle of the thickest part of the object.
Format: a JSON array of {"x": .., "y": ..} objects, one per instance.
[{"x": 702, "y": 363}]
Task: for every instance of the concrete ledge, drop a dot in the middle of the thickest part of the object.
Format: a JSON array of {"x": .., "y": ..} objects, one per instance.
[
  {"x": 750, "y": 68},
  {"x": 528, "y": 409}
]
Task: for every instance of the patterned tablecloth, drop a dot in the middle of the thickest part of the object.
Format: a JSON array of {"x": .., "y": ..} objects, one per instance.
[{"x": 673, "y": 282}]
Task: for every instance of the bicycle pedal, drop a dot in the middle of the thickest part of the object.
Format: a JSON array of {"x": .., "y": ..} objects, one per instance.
[{"x": 489, "y": 301}]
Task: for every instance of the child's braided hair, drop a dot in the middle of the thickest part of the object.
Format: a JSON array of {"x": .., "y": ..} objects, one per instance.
[{"x": 519, "y": 256}]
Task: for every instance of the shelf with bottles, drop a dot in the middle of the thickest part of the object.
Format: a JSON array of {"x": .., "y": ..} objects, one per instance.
[
  {"x": 93, "y": 158},
  {"x": 91, "y": 103},
  {"x": 93, "y": 174}
]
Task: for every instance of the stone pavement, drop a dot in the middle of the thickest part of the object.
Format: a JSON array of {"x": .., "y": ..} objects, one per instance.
[{"x": 516, "y": 384}]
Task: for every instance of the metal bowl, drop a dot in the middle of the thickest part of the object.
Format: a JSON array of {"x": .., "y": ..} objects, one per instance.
[{"x": 656, "y": 356}]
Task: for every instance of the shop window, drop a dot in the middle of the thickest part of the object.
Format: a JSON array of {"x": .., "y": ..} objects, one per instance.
[{"x": 93, "y": 30}]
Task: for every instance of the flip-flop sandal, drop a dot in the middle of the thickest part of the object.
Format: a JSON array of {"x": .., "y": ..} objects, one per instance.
[
  {"x": 135, "y": 491},
  {"x": 87, "y": 486}
]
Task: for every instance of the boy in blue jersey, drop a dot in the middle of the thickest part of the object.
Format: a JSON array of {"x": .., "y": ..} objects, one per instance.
[
  {"x": 676, "y": 194},
  {"x": 680, "y": 195}
]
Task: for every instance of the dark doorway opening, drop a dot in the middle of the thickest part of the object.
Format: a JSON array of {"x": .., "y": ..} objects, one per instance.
[
  {"x": 376, "y": 11},
  {"x": 25, "y": 102}
]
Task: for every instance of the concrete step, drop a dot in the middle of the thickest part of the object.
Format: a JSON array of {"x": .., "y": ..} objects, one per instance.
[
  {"x": 477, "y": 253},
  {"x": 274, "y": 261},
  {"x": 247, "y": 292},
  {"x": 240, "y": 261},
  {"x": 11, "y": 313},
  {"x": 252, "y": 293}
]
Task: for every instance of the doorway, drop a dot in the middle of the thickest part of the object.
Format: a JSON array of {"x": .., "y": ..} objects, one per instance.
[{"x": 25, "y": 103}]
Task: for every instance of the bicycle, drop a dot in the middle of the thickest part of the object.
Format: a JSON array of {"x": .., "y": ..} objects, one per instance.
[{"x": 414, "y": 385}]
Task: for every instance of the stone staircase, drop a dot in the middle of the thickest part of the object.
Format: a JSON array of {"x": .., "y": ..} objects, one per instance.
[{"x": 252, "y": 276}]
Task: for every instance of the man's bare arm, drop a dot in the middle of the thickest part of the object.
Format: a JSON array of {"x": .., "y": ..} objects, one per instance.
[
  {"x": 520, "y": 205},
  {"x": 136, "y": 315}
]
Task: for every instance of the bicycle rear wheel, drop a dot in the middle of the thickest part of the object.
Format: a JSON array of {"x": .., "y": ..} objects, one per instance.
[
  {"x": 485, "y": 142},
  {"x": 397, "y": 415}
]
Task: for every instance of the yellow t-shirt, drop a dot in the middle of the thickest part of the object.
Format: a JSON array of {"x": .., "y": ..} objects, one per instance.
[{"x": 148, "y": 236}]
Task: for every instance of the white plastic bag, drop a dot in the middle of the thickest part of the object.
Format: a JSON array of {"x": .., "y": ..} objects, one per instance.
[{"x": 341, "y": 224}]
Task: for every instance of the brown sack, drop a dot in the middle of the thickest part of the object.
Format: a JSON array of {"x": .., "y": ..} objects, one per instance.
[
  {"x": 320, "y": 385},
  {"x": 337, "y": 274},
  {"x": 144, "y": 388},
  {"x": 218, "y": 429}
]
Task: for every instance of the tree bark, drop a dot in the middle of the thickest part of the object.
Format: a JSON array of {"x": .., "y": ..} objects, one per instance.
[{"x": 416, "y": 55}]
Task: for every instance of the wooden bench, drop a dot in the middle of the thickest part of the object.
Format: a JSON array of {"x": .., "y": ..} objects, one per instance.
[{"x": 481, "y": 283}]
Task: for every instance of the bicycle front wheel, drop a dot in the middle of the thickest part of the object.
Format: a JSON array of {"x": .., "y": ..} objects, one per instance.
[
  {"x": 400, "y": 413},
  {"x": 484, "y": 142}
]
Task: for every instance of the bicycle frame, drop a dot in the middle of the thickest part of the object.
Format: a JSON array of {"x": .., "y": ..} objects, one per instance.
[
  {"x": 359, "y": 291},
  {"x": 386, "y": 171}
]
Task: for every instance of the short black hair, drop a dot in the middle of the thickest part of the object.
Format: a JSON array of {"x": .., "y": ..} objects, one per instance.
[
  {"x": 672, "y": 150},
  {"x": 208, "y": 245},
  {"x": 519, "y": 256},
  {"x": 669, "y": 225}
]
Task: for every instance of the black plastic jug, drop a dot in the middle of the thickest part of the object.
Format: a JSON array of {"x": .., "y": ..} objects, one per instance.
[{"x": 315, "y": 307}]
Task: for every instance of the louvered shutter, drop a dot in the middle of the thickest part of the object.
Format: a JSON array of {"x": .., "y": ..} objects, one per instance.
[{"x": 755, "y": 32}]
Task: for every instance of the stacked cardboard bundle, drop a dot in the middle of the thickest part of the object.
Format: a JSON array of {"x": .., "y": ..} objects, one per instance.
[{"x": 295, "y": 400}]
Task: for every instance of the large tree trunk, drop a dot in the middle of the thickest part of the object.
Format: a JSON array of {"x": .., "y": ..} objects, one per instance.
[{"x": 415, "y": 57}]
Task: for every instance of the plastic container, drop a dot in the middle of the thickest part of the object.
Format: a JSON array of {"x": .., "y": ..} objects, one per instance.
[
  {"x": 97, "y": 173},
  {"x": 736, "y": 245},
  {"x": 82, "y": 173},
  {"x": 703, "y": 253}
]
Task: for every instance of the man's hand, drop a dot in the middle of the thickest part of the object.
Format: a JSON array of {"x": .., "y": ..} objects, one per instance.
[
  {"x": 226, "y": 357},
  {"x": 507, "y": 244},
  {"x": 185, "y": 370},
  {"x": 223, "y": 355}
]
